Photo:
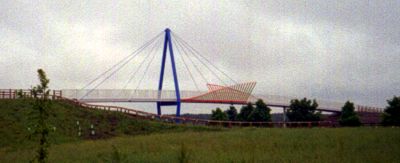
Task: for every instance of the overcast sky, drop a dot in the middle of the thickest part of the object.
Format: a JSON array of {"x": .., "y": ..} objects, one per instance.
[{"x": 335, "y": 50}]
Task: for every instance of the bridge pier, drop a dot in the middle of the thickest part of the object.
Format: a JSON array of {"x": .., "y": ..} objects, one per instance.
[
  {"x": 158, "y": 109},
  {"x": 284, "y": 117}
]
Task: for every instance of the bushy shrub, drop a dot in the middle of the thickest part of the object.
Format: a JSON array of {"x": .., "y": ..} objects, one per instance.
[
  {"x": 391, "y": 115},
  {"x": 348, "y": 116}
]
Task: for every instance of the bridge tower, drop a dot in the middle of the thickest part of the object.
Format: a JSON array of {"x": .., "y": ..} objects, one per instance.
[{"x": 168, "y": 46}]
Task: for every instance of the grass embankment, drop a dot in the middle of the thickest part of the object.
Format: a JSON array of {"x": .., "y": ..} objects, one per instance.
[{"x": 15, "y": 121}]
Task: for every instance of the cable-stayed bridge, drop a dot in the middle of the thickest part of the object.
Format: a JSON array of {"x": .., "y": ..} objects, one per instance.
[{"x": 215, "y": 86}]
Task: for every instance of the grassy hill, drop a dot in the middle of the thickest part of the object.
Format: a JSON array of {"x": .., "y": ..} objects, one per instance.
[{"x": 15, "y": 124}]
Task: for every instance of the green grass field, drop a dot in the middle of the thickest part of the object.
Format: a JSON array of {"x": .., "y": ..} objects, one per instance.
[{"x": 146, "y": 141}]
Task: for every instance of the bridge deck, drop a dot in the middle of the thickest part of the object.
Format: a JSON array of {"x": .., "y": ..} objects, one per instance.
[{"x": 111, "y": 95}]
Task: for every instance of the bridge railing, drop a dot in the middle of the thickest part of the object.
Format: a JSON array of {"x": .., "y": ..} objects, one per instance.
[
  {"x": 126, "y": 94},
  {"x": 17, "y": 93},
  {"x": 169, "y": 95},
  {"x": 369, "y": 109}
]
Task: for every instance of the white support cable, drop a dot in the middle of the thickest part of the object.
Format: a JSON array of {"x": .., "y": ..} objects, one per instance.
[
  {"x": 194, "y": 54},
  {"x": 147, "y": 68},
  {"x": 190, "y": 59},
  {"x": 112, "y": 73},
  {"x": 119, "y": 62},
  {"x": 193, "y": 49},
  {"x": 136, "y": 71},
  {"x": 187, "y": 68}
]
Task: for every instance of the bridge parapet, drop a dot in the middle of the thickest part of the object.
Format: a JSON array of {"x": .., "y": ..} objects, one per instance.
[
  {"x": 122, "y": 95},
  {"x": 126, "y": 95},
  {"x": 15, "y": 93},
  {"x": 369, "y": 109},
  {"x": 169, "y": 95}
]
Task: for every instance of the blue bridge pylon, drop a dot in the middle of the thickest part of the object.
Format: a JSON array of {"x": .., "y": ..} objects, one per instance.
[{"x": 168, "y": 46}]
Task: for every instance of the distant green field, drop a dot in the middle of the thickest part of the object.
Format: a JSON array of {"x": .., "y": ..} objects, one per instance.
[{"x": 138, "y": 140}]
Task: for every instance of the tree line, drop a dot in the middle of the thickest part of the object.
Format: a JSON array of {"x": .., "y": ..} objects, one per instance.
[
  {"x": 250, "y": 113},
  {"x": 305, "y": 110}
]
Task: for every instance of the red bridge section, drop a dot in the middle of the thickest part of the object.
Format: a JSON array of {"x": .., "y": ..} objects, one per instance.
[{"x": 235, "y": 94}]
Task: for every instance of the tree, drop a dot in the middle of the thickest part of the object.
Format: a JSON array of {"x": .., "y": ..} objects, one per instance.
[
  {"x": 348, "y": 116},
  {"x": 391, "y": 115},
  {"x": 261, "y": 113},
  {"x": 245, "y": 112},
  {"x": 40, "y": 115},
  {"x": 231, "y": 113},
  {"x": 303, "y": 110},
  {"x": 218, "y": 114},
  {"x": 20, "y": 93}
]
